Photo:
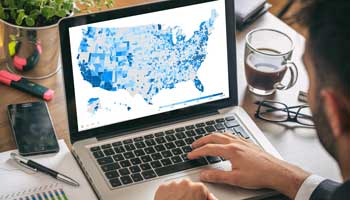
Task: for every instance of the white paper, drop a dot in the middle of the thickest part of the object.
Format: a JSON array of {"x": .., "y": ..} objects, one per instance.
[{"x": 15, "y": 178}]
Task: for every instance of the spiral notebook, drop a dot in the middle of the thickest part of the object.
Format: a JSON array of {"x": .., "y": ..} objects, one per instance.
[{"x": 17, "y": 182}]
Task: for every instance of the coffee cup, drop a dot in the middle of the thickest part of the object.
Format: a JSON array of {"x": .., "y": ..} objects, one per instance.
[{"x": 267, "y": 60}]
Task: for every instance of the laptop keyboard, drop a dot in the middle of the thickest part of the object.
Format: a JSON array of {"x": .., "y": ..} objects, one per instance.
[{"x": 159, "y": 154}]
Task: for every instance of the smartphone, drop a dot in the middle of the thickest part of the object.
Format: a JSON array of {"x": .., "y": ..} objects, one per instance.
[{"x": 32, "y": 128}]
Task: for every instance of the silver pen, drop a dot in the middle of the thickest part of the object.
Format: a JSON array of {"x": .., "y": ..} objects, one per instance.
[{"x": 37, "y": 167}]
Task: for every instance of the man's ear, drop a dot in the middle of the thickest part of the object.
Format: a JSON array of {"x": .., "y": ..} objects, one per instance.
[{"x": 337, "y": 112}]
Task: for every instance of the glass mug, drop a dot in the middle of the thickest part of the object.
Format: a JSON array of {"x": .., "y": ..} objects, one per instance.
[{"x": 267, "y": 58}]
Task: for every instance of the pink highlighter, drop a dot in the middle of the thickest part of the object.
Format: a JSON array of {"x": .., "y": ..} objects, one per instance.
[{"x": 25, "y": 85}]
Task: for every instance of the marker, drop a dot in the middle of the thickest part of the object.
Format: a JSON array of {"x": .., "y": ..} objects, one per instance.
[
  {"x": 39, "y": 196},
  {"x": 20, "y": 83},
  {"x": 45, "y": 196},
  {"x": 33, "y": 197},
  {"x": 51, "y": 195},
  {"x": 63, "y": 194}
]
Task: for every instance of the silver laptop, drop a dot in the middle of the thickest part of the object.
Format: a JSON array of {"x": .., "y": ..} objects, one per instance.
[{"x": 142, "y": 83}]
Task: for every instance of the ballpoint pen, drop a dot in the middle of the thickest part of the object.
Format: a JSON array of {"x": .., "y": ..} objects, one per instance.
[{"x": 37, "y": 167}]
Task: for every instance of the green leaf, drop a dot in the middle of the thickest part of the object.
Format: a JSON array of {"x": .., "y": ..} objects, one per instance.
[
  {"x": 61, "y": 13},
  {"x": 48, "y": 12},
  {"x": 30, "y": 21},
  {"x": 34, "y": 13},
  {"x": 20, "y": 18},
  {"x": 2, "y": 12}
]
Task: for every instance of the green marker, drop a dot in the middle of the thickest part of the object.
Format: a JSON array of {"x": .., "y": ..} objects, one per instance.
[
  {"x": 57, "y": 195},
  {"x": 51, "y": 195},
  {"x": 63, "y": 194}
]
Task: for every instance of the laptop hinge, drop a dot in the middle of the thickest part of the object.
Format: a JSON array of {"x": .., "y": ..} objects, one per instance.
[{"x": 174, "y": 121}]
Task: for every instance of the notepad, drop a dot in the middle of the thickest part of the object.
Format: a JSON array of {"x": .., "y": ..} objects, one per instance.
[{"x": 23, "y": 183}]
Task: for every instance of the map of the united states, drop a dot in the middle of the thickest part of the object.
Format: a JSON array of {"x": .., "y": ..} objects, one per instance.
[{"x": 143, "y": 59}]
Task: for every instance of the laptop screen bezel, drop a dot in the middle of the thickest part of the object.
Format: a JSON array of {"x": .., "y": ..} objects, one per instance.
[{"x": 154, "y": 120}]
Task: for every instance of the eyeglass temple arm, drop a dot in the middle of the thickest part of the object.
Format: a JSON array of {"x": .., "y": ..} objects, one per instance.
[{"x": 273, "y": 109}]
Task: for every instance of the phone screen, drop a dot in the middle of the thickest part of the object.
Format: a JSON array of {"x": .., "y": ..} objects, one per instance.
[{"x": 32, "y": 128}]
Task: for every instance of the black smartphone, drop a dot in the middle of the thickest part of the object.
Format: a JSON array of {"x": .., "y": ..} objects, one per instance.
[{"x": 32, "y": 128}]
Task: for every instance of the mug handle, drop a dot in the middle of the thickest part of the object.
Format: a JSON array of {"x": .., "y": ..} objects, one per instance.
[{"x": 294, "y": 74}]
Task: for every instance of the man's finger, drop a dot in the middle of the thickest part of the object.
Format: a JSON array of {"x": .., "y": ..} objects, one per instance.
[
  {"x": 217, "y": 176},
  {"x": 215, "y": 138},
  {"x": 208, "y": 150}
]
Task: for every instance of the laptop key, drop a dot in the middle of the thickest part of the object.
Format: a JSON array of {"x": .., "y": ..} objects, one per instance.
[
  {"x": 119, "y": 149},
  {"x": 176, "y": 151},
  {"x": 128, "y": 141},
  {"x": 149, "y": 150},
  {"x": 149, "y": 174},
  {"x": 190, "y": 127},
  {"x": 139, "y": 152},
  {"x": 180, "y": 143},
  {"x": 180, "y": 135},
  {"x": 135, "y": 169},
  {"x": 110, "y": 167},
  {"x": 105, "y": 160},
  {"x": 176, "y": 159},
  {"x": 166, "y": 154},
  {"x": 170, "y": 138},
  {"x": 197, "y": 137},
  {"x": 180, "y": 166},
  {"x": 146, "y": 158},
  {"x": 180, "y": 129},
  {"x": 159, "y": 134},
  {"x": 112, "y": 174},
  {"x": 129, "y": 155},
  {"x": 118, "y": 157},
  {"x": 156, "y": 156},
  {"x": 211, "y": 122},
  {"x": 115, "y": 182},
  {"x": 145, "y": 166},
  {"x": 156, "y": 164},
  {"x": 213, "y": 159},
  {"x": 220, "y": 120},
  {"x": 149, "y": 136},
  {"x": 187, "y": 149},
  {"x": 135, "y": 161},
  {"x": 124, "y": 172},
  {"x": 130, "y": 147},
  {"x": 138, "y": 139},
  {"x": 230, "y": 118},
  {"x": 190, "y": 133},
  {"x": 166, "y": 161},
  {"x": 210, "y": 128},
  {"x": 189, "y": 140},
  {"x": 199, "y": 125},
  {"x": 136, "y": 177},
  {"x": 150, "y": 142},
  {"x": 160, "y": 140},
  {"x": 159, "y": 148},
  {"x": 219, "y": 126},
  {"x": 125, "y": 163},
  {"x": 230, "y": 124},
  {"x": 106, "y": 146},
  {"x": 92, "y": 149},
  {"x": 140, "y": 145},
  {"x": 200, "y": 131},
  {"x": 170, "y": 145},
  {"x": 108, "y": 152},
  {"x": 241, "y": 131},
  {"x": 98, "y": 154},
  {"x": 169, "y": 132},
  {"x": 126, "y": 180},
  {"x": 184, "y": 157},
  {"x": 115, "y": 144}
]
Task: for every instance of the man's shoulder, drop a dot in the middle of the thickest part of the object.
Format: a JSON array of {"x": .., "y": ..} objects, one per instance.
[{"x": 331, "y": 190}]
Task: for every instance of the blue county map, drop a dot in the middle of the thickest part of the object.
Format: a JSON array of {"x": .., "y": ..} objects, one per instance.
[{"x": 142, "y": 59}]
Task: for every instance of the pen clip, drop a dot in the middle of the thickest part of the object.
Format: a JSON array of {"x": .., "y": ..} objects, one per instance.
[
  {"x": 26, "y": 166},
  {"x": 21, "y": 161}
]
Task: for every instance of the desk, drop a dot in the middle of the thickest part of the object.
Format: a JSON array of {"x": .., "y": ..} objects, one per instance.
[{"x": 298, "y": 145}]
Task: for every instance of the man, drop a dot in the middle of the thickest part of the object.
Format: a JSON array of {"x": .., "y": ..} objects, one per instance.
[{"x": 327, "y": 62}]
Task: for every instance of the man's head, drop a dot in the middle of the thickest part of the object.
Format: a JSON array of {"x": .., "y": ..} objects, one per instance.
[{"x": 327, "y": 60}]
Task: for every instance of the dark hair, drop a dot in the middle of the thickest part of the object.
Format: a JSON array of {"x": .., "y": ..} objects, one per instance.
[{"x": 328, "y": 24}]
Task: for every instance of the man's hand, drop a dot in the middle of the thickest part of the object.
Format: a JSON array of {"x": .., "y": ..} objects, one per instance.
[
  {"x": 184, "y": 190},
  {"x": 252, "y": 167}
]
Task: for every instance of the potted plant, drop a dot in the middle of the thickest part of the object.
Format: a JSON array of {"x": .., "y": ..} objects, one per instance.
[{"x": 31, "y": 38}]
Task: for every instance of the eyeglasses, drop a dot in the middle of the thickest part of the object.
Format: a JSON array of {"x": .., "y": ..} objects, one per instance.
[{"x": 273, "y": 111}]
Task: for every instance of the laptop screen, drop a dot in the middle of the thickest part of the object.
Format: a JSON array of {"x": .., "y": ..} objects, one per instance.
[{"x": 143, "y": 65}]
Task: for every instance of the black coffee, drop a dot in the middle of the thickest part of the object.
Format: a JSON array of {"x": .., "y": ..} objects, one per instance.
[{"x": 263, "y": 71}]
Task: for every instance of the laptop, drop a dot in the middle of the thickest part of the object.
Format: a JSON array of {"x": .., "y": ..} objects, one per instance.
[{"x": 142, "y": 83}]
